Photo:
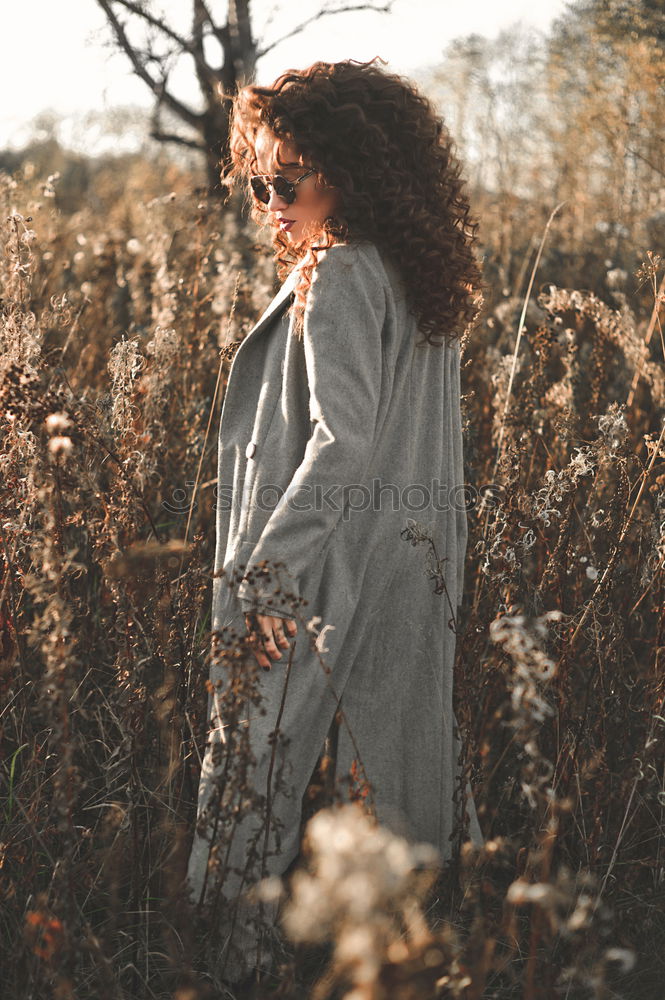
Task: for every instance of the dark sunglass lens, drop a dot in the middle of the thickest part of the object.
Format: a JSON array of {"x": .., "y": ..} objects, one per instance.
[
  {"x": 260, "y": 190},
  {"x": 284, "y": 188}
]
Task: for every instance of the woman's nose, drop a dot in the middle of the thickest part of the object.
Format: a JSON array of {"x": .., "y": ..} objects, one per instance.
[{"x": 276, "y": 204}]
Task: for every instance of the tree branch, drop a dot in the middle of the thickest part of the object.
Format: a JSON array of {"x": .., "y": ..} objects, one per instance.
[
  {"x": 614, "y": 135},
  {"x": 315, "y": 17},
  {"x": 145, "y": 15},
  {"x": 243, "y": 47},
  {"x": 640, "y": 156},
  {"x": 221, "y": 34},
  {"x": 156, "y": 133},
  {"x": 204, "y": 73},
  {"x": 191, "y": 117}
]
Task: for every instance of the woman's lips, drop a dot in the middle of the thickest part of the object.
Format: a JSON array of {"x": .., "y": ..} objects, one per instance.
[{"x": 286, "y": 224}]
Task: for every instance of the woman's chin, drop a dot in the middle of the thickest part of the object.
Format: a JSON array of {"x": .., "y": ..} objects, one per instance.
[{"x": 297, "y": 235}]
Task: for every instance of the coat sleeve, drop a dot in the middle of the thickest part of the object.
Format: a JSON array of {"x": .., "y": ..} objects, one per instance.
[{"x": 342, "y": 335}]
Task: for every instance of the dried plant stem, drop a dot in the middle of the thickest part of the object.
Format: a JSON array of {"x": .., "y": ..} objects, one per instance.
[
  {"x": 482, "y": 508},
  {"x": 625, "y": 820},
  {"x": 652, "y": 326},
  {"x": 272, "y": 760},
  {"x": 211, "y": 413},
  {"x": 269, "y": 785},
  {"x": 519, "y": 338},
  {"x": 611, "y": 562}
]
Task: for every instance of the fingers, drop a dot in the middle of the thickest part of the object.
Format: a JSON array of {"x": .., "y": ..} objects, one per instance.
[
  {"x": 266, "y": 633},
  {"x": 259, "y": 639},
  {"x": 278, "y": 631}
]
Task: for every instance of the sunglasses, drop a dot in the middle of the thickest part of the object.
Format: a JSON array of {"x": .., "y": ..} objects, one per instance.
[{"x": 284, "y": 188}]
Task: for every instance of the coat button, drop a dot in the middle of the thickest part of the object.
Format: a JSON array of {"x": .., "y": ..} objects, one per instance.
[{"x": 250, "y": 449}]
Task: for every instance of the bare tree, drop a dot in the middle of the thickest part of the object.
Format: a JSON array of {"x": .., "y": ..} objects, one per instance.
[{"x": 153, "y": 58}]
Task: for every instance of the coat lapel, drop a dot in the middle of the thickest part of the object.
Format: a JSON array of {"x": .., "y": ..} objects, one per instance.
[{"x": 278, "y": 303}]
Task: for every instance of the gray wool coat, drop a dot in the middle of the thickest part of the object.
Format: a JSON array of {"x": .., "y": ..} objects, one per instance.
[{"x": 340, "y": 456}]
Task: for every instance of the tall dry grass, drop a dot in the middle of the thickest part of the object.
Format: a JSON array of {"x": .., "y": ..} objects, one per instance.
[{"x": 112, "y": 324}]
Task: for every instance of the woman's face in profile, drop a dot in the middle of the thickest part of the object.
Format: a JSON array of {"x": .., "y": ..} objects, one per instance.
[{"x": 312, "y": 203}]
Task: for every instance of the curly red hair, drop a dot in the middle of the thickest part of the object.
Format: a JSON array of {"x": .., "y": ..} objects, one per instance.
[{"x": 380, "y": 142}]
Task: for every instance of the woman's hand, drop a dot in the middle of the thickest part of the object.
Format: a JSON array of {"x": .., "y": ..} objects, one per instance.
[{"x": 266, "y": 634}]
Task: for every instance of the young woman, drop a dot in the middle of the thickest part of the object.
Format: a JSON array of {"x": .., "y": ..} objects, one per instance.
[{"x": 340, "y": 451}]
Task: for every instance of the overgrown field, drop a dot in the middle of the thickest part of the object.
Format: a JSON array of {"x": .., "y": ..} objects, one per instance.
[{"x": 112, "y": 318}]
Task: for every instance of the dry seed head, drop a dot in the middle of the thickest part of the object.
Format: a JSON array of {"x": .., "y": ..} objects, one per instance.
[
  {"x": 60, "y": 446},
  {"x": 56, "y": 423}
]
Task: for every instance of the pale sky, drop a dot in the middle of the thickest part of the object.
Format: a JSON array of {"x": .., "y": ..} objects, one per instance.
[{"x": 54, "y": 56}]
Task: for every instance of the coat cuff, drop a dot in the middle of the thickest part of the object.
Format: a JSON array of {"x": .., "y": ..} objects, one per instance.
[
  {"x": 248, "y": 606},
  {"x": 274, "y": 593}
]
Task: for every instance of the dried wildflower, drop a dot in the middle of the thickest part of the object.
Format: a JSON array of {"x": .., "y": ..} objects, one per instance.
[
  {"x": 582, "y": 463},
  {"x": 124, "y": 365},
  {"x": 164, "y": 345},
  {"x": 56, "y": 423},
  {"x": 530, "y": 892},
  {"x": 358, "y": 869},
  {"x": 319, "y": 641},
  {"x": 61, "y": 446},
  {"x": 616, "y": 278},
  {"x": 624, "y": 957},
  {"x": 531, "y": 670},
  {"x": 48, "y": 189},
  {"x": 613, "y": 428},
  {"x": 648, "y": 270},
  {"x": 597, "y": 518}
]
